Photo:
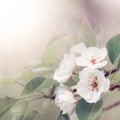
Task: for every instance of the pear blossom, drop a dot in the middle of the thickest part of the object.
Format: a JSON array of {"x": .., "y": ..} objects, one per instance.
[
  {"x": 92, "y": 57},
  {"x": 92, "y": 84},
  {"x": 65, "y": 100},
  {"x": 78, "y": 49},
  {"x": 65, "y": 70}
]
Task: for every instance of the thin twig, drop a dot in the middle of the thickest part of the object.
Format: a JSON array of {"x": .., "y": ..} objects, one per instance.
[
  {"x": 111, "y": 106},
  {"x": 107, "y": 73},
  {"x": 49, "y": 97},
  {"x": 114, "y": 86},
  {"x": 36, "y": 96}
]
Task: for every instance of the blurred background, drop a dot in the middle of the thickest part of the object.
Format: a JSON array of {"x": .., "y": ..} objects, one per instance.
[{"x": 26, "y": 26}]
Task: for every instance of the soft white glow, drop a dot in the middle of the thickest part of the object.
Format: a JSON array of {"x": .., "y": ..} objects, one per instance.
[
  {"x": 14, "y": 16},
  {"x": 27, "y": 25},
  {"x": 18, "y": 26}
]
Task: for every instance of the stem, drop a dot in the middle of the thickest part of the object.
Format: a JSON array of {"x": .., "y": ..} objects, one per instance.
[
  {"x": 23, "y": 97},
  {"x": 41, "y": 96},
  {"x": 32, "y": 97},
  {"x": 111, "y": 106},
  {"x": 107, "y": 73},
  {"x": 114, "y": 86},
  {"x": 49, "y": 97}
]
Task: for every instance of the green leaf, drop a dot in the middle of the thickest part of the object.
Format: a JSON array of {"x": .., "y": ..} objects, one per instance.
[
  {"x": 86, "y": 34},
  {"x": 53, "y": 90},
  {"x": 74, "y": 80},
  {"x": 86, "y": 111},
  {"x": 6, "y": 80},
  {"x": 18, "y": 110},
  {"x": 26, "y": 75},
  {"x": 47, "y": 84},
  {"x": 33, "y": 84},
  {"x": 115, "y": 77},
  {"x": 46, "y": 106},
  {"x": 63, "y": 117},
  {"x": 5, "y": 104},
  {"x": 113, "y": 47},
  {"x": 35, "y": 64},
  {"x": 44, "y": 71},
  {"x": 59, "y": 45},
  {"x": 31, "y": 115}
]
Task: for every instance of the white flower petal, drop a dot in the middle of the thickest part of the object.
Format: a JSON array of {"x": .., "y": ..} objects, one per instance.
[
  {"x": 65, "y": 94},
  {"x": 106, "y": 85},
  {"x": 92, "y": 84},
  {"x": 99, "y": 65},
  {"x": 64, "y": 72},
  {"x": 87, "y": 94},
  {"x": 78, "y": 49},
  {"x": 102, "y": 53},
  {"x": 94, "y": 98},
  {"x": 83, "y": 91},
  {"x": 81, "y": 61},
  {"x": 86, "y": 72},
  {"x": 65, "y": 100},
  {"x": 92, "y": 57},
  {"x": 91, "y": 51},
  {"x": 66, "y": 107},
  {"x": 61, "y": 76}
]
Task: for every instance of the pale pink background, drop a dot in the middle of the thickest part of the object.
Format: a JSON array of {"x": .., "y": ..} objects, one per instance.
[
  {"x": 24, "y": 36},
  {"x": 27, "y": 40}
]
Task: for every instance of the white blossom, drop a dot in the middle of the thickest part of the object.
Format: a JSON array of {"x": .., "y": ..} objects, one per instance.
[
  {"x": 92, "y": 57},
  {"x": 77, "y": 49},
  {"x": 92, "y": 84},
  {"x": 65, "y": 100},
  {"x": 65, "y": 70}
]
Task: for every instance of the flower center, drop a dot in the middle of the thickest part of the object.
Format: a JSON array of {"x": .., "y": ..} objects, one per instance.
[
  {"x": 93, "y": 60},
  {"x": 94, "y": 84}
]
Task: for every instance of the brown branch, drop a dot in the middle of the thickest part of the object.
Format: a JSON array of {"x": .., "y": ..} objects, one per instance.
[
  {"x": 107, "y": 73},
  {"x": 111, "y": 106},
  {"x": 114, "y": 86},
  {"x": 49, "y": 97}
]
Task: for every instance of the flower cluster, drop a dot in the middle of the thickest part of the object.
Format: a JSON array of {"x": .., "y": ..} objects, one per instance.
[{"x": 92, "y": 82}]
